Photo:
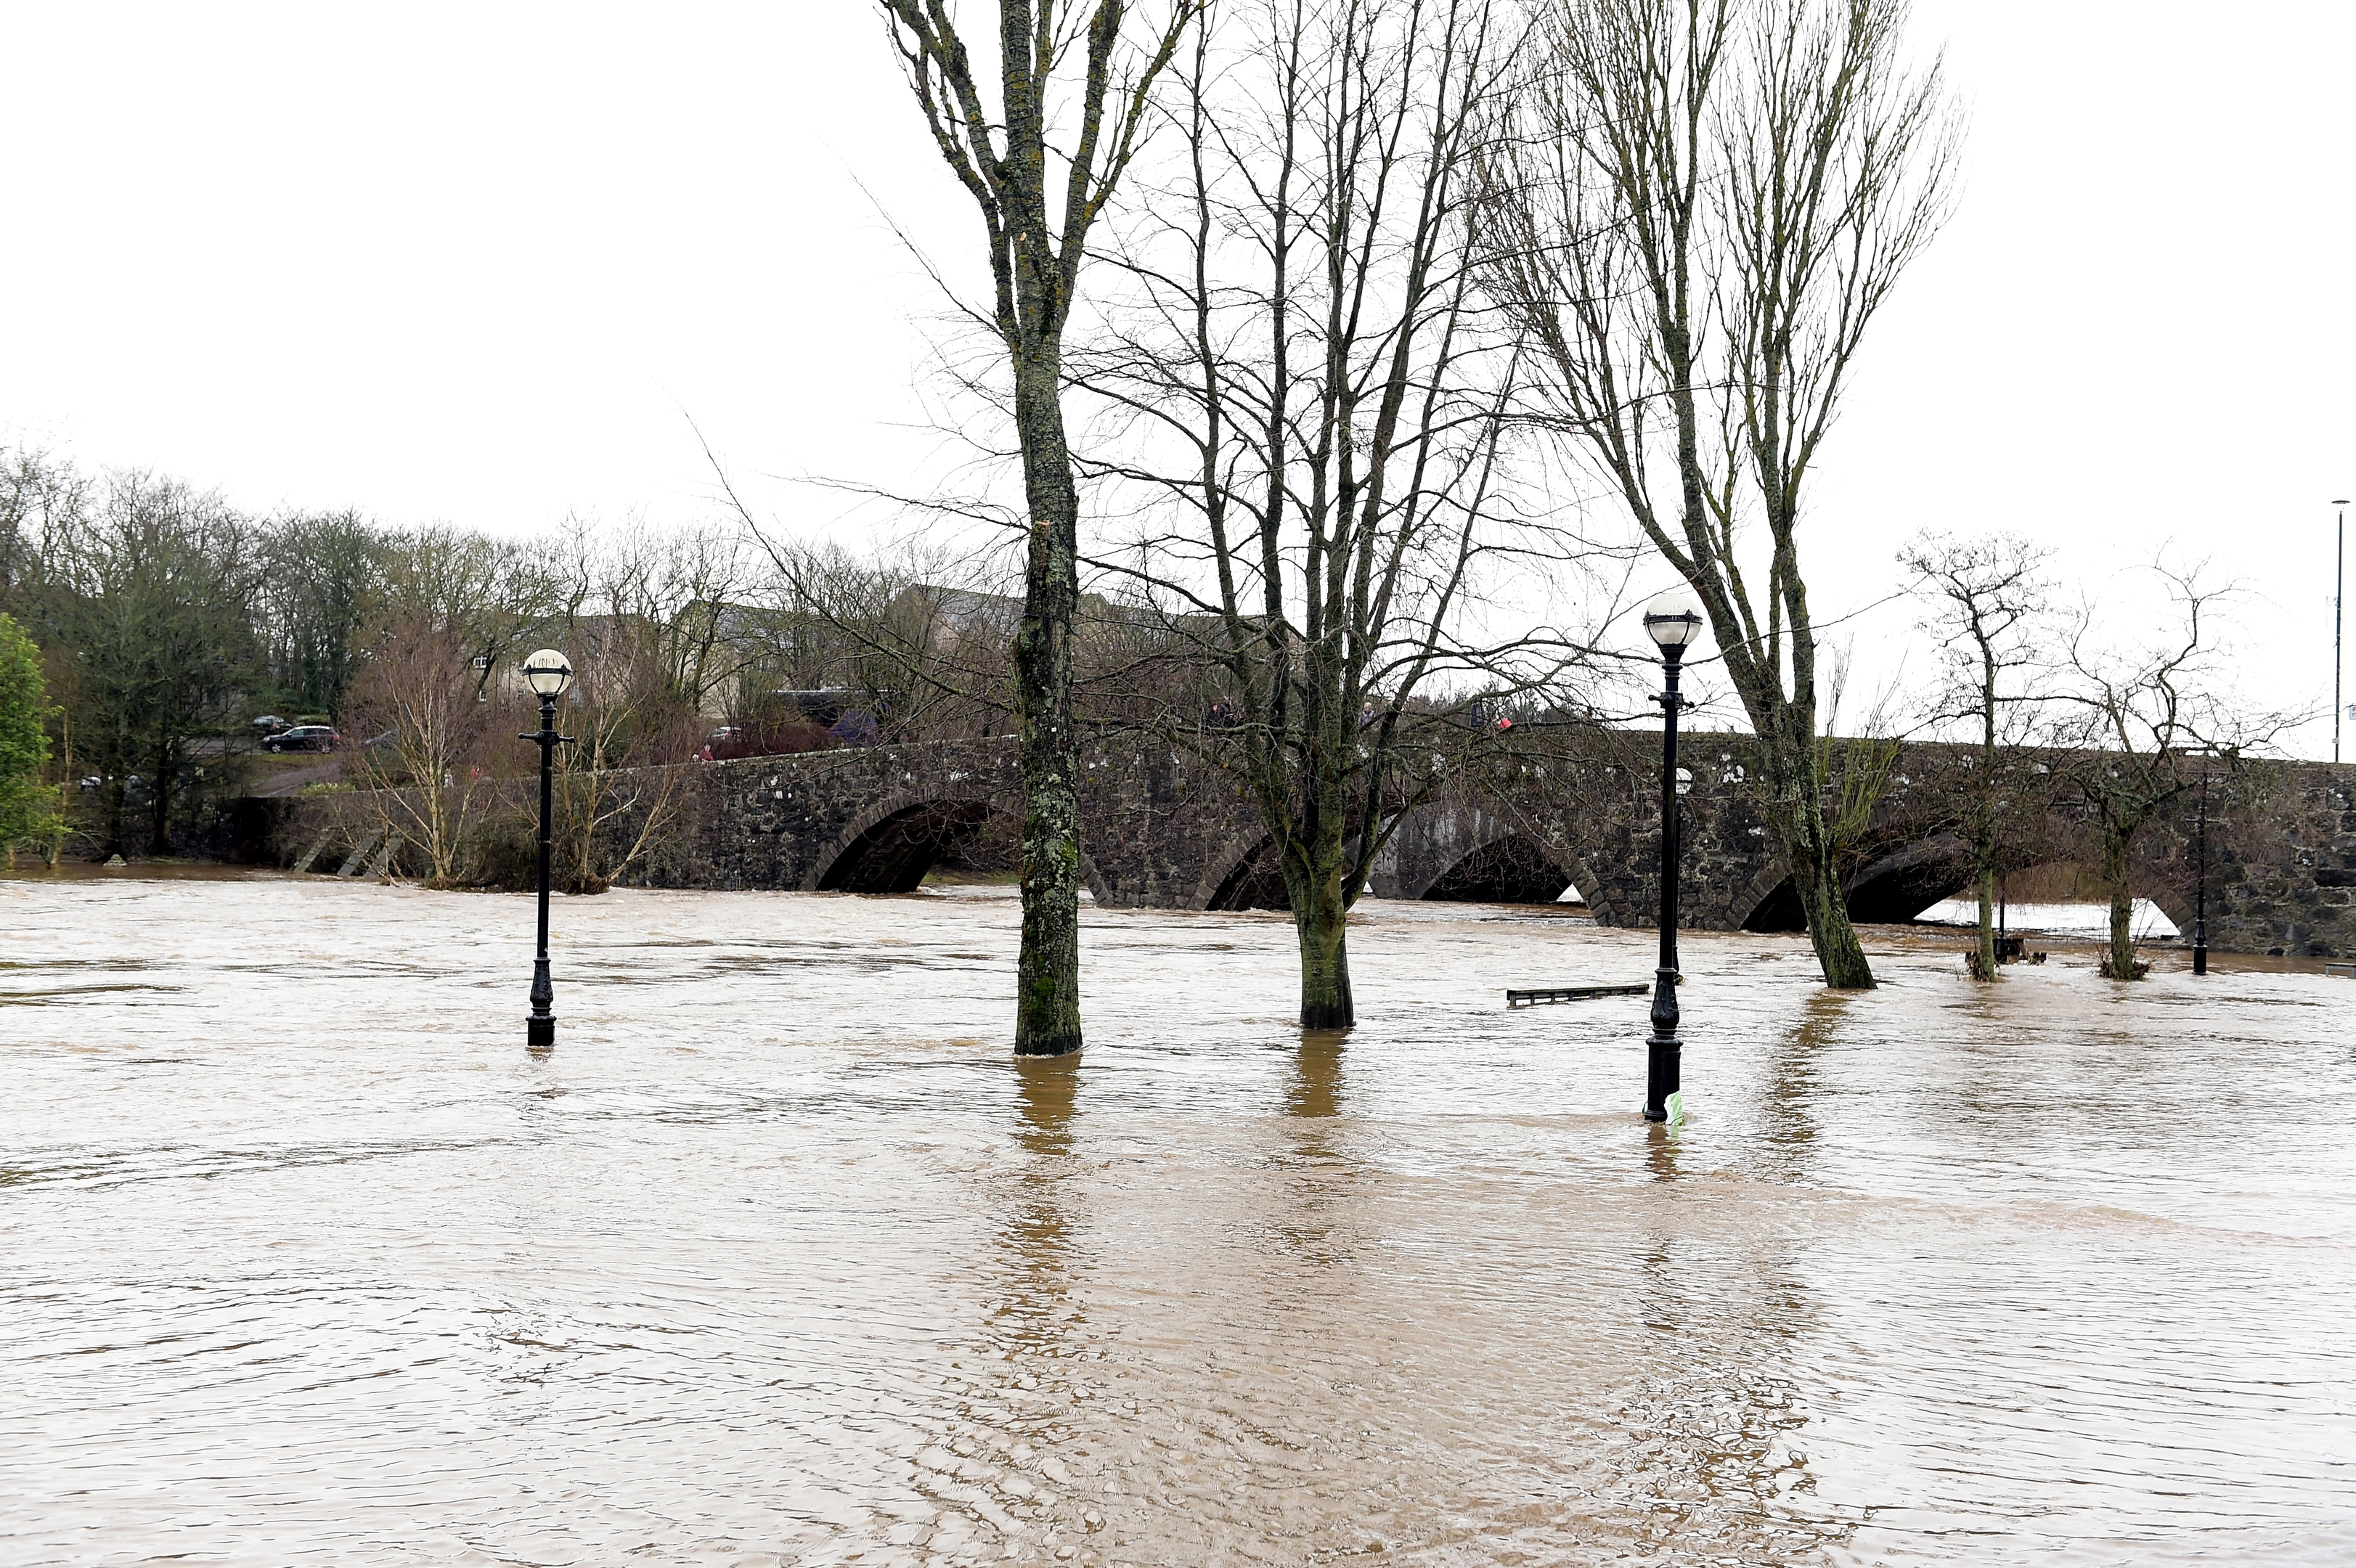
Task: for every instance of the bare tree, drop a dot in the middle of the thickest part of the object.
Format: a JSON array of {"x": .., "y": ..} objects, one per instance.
[
  {"x": 1704, "y": 205},
  {"x": 429, "y": 727},
  {"x": 1005, "y": 156},
  {"x": 41, "y": 497},
  {"x": 495, "y": 598},
  {"x": 1984, "y": 594},
  {"x": 1307, "y": 411},
  {"x": 919, "y": 636},
  {"x": 639, "y": 629},
  {"x": 2143, "y": 712},
  {"x": 687, "y": 588}
]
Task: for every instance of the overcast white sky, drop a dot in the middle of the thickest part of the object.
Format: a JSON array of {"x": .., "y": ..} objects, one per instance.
[{"x": 476, "y": 264}]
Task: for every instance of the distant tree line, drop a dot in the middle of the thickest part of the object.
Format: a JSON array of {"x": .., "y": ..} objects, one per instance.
[{"x": 151, "y": 625}]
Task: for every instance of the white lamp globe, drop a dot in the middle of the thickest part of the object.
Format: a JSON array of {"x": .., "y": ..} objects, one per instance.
[
  {"x": 548, "y": 673},
  {"x": 1673, "y": 619}
]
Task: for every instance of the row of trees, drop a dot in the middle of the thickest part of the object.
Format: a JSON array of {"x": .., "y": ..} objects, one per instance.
[
  {"x": 2119, "y": 729},
  {"x": 1371, "y": 285},
  {"x": 1365, "y": 270}
]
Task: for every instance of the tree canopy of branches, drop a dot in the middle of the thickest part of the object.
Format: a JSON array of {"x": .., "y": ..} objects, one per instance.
[
  {"x": 2140, "y": 715},
  {"x": 1307, "y": 413},
  {"x": 648, "y": 621},
  {"x": 428, "y": 728},
  {"x": 1702, "y": 205},
  {"x": 1984, "y": 596},
  {"x": 1005, "y": 157}
]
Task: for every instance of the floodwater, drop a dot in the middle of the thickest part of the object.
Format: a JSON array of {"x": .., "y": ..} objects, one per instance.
[{"x": 780, "y": 1259}]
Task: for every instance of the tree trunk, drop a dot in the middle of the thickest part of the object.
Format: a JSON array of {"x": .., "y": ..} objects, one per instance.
[
  {"x": 2114, "y": 876},
  {"x": 1322, "y": 919},
  {"x": 1797, "y": 786},
  {"x": 1047, "y": 972},
  {"x": 1987, "y": 924},
  {"x": 1839, "y": 952}
]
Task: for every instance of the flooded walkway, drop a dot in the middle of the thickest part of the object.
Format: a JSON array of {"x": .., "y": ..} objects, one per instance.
[{"x": 780, "y": 1258}]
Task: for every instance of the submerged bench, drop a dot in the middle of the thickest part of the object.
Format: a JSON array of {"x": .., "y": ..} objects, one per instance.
[{"x": 1577, "y": 993}]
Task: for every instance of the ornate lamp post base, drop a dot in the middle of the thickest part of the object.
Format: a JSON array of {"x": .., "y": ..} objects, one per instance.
[{"x": 1663, "y": 1053}]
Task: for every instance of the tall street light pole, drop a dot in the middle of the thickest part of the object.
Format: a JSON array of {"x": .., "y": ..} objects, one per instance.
[
  {"x": 548, "y": 673},
  {"x": 2339, "y": 598},
  {"x": 2201, "y": 901},
  {"x": 1673, "y": 622}
]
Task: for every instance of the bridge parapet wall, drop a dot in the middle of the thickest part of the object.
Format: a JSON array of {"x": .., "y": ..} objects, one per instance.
[
  {"x": 1161, "y": 828},
  {"x": 1151, "y": 819}
]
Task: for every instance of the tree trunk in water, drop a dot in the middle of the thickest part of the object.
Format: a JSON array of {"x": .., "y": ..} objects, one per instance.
[
  {"x": 2123, "y": 958},
  {"x": 1839, "y": 952},
  {"x": 1987, "y": 925},
  {"x": 1793, "y": 771},
  {"x": 1047, "y": 972},
  {"x": 1323, "y": 925},
  {"x": 1815, "y": 875},
  {"x": 2114, "y": 876}
]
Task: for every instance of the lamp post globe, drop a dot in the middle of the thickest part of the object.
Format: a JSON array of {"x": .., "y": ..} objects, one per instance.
[
  {"x": 548, "y": 673},
  {"x": 1674, "y": 622}
]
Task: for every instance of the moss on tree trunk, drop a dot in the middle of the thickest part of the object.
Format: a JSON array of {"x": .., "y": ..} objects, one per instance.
[
  {"x": 1047, "y": 970},
  {"x": 1323, "y": 926}
]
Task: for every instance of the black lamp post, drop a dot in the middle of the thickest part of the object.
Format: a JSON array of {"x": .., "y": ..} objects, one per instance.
[
  {"x": 548, "y": 673},
  {"x": 2201, "y": 899},
  {"x": 2339, "y": 587},
  {"x": 1672, "y": 624}
]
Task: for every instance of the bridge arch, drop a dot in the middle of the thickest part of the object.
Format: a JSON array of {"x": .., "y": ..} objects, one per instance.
[
  {"x": 890, "y": 846},
  {"x": 1477, "y": 848},
  {"x": 1244, "y": 875},
  {"x": 1511, "y": 868},
  {"x": 1889, "y": 890},
  {"x": 1897, "y": 887}
]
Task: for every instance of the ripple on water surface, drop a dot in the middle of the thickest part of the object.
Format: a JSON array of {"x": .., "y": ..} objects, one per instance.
[{"x": 779, "y": 1258}]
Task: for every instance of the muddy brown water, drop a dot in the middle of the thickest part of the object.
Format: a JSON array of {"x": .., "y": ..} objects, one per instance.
[{"x": 780, "y": 1258}]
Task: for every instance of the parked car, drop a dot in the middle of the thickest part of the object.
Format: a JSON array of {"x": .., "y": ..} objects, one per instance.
[
  {"x": 270, "y": 724},
  {"x": 303, "y": 738}
]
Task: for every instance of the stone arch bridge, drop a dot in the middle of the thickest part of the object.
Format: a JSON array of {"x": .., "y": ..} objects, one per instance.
[{"x": 1522, "y": 823}]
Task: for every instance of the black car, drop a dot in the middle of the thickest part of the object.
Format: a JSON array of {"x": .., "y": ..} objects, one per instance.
[{"x": 303, "y": 738}]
